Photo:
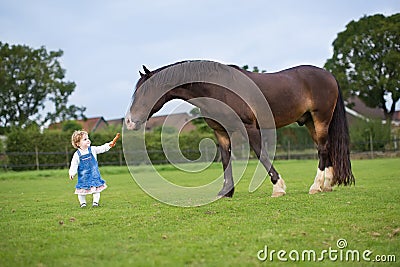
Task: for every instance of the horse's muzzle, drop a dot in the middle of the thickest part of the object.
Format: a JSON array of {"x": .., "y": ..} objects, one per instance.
[{"x": 132, "y": 124}]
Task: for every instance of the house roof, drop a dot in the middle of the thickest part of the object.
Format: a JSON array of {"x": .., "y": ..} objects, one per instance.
[
  {"x": 116, "y": 122},
  {"x": 180, "y": 121},
  {"x": 360, "y": 110},
  {"x": 358, "y": 106},
  {"x": 90, "y": 124}
]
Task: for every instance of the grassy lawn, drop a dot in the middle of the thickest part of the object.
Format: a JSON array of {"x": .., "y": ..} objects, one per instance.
[{"x": 41, "y": 223}]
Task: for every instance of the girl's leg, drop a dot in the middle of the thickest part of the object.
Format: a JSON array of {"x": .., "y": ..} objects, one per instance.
[
  {"x": 96, "y": 199},
  {"x": 82, "y": 200}
]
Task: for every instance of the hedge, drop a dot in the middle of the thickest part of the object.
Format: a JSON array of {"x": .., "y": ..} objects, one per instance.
[{"x": 25, "y": 148}]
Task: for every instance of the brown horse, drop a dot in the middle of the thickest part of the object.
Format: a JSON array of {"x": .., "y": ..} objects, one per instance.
[{"x": 307, "y": 95}]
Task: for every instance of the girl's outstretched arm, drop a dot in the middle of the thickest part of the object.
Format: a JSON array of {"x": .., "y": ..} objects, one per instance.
[{"x": 112, "y": 144}]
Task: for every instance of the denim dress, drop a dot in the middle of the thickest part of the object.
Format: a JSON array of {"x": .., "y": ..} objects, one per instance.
[{"x": 89, "y": 179}]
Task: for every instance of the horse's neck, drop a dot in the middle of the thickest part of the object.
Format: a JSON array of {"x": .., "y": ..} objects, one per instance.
[
  {"x": 188, "y": 92},
  {"x": 197, "y": 94}
]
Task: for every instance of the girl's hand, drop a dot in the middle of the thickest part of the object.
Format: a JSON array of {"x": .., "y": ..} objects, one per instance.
[
  {"x": 112, "y": 144},
  {"x": 71, "y": 177}
]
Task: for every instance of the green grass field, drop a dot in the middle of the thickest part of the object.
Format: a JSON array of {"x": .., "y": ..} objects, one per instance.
[{"x": 41, "y": 223}]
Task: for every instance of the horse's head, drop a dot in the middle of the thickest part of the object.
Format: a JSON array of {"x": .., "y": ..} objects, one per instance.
[{"x": 145, "y": 102}]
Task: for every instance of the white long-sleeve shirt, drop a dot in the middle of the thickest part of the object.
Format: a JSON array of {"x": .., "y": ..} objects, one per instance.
[{"x": 73, "y": 169}]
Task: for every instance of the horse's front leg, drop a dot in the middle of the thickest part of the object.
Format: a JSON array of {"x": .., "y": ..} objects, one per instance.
[
  {"x": 256, "y": 143},
  {"x": 225, "y": 149}
]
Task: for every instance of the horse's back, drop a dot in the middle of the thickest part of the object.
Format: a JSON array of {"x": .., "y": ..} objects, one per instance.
[
  {"x": 321, "y": 84},
  {"x": 295, "y": 78},
  {"x": 293, "y": 92},
  {"x": 312, "y": 75}
]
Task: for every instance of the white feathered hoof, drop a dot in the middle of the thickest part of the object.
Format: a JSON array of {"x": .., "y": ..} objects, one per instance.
[
  {"x": 318, "y": 184},
  {"x": 314, "y": 191},
  {"x": 279, "y": 189},
  {"x": 328, "y": 180}
]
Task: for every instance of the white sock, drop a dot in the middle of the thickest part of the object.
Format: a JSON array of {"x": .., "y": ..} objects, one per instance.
[
  {"x": 96, "y": 197},
  {"x": 82, "y": 199}
]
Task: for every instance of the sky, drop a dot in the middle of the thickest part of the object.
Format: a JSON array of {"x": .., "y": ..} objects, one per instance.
[{"x": 105, "y": 43}]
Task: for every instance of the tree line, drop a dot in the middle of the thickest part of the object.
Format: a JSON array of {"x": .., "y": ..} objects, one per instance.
[{"x": 30, "y": 148}]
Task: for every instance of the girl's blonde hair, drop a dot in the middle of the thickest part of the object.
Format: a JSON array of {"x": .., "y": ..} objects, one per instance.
[{"x": 76, "y": 138}]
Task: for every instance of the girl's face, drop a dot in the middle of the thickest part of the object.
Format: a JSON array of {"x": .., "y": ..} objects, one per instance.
[{"x": 84, "y": 143}]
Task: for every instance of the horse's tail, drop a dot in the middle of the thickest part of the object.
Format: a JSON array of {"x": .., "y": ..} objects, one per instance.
[{"x": 339, "y": 141}]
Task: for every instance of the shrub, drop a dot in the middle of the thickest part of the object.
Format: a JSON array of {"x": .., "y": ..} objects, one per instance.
[{"x": 362, "y": 133}]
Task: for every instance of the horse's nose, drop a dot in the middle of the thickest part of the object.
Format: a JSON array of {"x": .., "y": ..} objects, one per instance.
[{"x": 130, "y": 123}]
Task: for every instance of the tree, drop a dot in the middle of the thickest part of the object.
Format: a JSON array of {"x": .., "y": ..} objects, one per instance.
[
  {"x": 366, "y": 133},
  {"x": 70, "y": 126},
  {"x": 255, "y": 69},
  {"x": 366, "y": 61},
  {"x": 199, "y": 122},
  {"x": 32, "y": 83}
]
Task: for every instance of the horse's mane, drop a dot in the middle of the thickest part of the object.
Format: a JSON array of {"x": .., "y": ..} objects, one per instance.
[
  {"x": 190, "y": 71},
  {"x": 203, "y": 65},
  {"x": 235, "y": 67}
]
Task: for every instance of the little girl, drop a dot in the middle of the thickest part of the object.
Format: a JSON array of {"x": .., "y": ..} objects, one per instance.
[{"x": 84, "y": 163}]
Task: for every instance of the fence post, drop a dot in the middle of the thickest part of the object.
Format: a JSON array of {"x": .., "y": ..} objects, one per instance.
[
  {"x": 371, "y": 145},
  {"x": 37, "y": 157}
]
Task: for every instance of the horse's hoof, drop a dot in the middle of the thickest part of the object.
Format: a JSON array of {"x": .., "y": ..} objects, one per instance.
[
  {"x": 278, "y": 194},
  {"x": 279, "y": 188},
  {"x": 327, "y": 189},
  {"x": 229, "y": 194},
  {"x": 224, "y": 196},
  {"x": 314, "y": 191}
]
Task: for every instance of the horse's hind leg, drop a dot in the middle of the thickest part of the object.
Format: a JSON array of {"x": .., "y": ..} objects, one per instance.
[
  {"x": 319, "y": 181},
  {"x": 328, "y": 179},
  {"x": 324, "y": 176},
  {"x": 225, "y": 148},
  {"x": 279, "y": 187}
]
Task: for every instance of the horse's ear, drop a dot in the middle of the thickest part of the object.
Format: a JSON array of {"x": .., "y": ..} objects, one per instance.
[
  {"x": 141, "y": 74},
  {"x": 146, "y": 70}
]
